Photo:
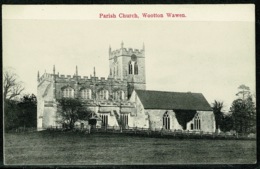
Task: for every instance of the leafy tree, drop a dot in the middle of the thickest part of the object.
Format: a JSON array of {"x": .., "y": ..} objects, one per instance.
[
  {"x": 226, "y": 123},
  {"x": 243, "y": 111},
  {"x": 11, "y": 89},
  {"x": 20, "y": 113},
  {"x": 11, "y": 119},
  {"x": 28, "y": 111},
  {"x": 184, "y": 116},
  {"x": 217, "y": 107},
  {"x": 71, "y": 110}
]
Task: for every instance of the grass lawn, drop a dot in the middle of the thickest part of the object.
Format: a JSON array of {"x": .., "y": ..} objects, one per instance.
[{"x": 56, "y": 148}]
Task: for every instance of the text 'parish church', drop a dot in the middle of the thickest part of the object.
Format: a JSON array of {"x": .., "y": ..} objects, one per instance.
[{"x": 122, "y": 98}]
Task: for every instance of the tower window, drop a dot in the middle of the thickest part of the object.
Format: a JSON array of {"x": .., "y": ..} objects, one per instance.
[
  {"x": 136, "y": 69},
  {"x": 130, "y": 68},
  {"x": 114, "y": 71},
  {"x": 117, "y": 70}
]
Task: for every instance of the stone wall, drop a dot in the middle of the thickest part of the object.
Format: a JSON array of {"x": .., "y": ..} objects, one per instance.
[
  {"x": 141, "y": 118},
  {"x": 207, "y": 121},
  {"x": 44, "y": 93},
  {"x": 156, "y": 119}
]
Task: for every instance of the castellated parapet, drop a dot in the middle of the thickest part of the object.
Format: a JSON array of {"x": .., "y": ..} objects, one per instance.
[{"x": 126, "y": 52}]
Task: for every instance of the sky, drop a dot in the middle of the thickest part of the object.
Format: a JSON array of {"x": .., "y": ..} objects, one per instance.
[{"x": 205, "y": 53}]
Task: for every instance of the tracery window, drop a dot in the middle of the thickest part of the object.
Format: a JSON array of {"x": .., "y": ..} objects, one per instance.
[
  {"x": 119, "y": 95},
  {"x": 104, "y": 119},
  {"x": 197, "y": 122},
  {"x": 124, "y": 119},
  {"x": 103, "y": 94},
  {"x": 68, "y": 92},
  {"x": 166, "y": 121},
  {"x": 86, "y": 93}
]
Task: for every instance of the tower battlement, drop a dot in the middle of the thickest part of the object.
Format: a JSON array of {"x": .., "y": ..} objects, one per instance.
[{"x": 126, "y": 52}]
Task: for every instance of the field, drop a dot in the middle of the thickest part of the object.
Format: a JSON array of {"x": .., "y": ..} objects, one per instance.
[{"x": 57, "y": 148}]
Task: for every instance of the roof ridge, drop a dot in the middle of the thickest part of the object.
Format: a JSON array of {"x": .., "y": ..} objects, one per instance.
[{"x": 166, "y": 91}]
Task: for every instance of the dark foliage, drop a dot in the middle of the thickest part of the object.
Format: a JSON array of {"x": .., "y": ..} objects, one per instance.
[
  {"x": 226, "y": 123},
  {"x": 243, "y": 111},
  {"x": 217, "y": 107},
  {"x": 244, "y": 115},
  {"x": 11, "y": 119},
  {"x": 28, "y": 111},
  {"x": 21, "y": 113},
  {"x": 71, "y": 110},
  {"x": 184, "y": 116}
]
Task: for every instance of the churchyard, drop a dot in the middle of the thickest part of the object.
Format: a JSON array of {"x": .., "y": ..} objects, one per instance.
[{"x": 77, "y": 148}]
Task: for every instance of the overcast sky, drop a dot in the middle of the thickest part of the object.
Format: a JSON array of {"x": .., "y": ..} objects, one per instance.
[{"x": 211, "y": 57}]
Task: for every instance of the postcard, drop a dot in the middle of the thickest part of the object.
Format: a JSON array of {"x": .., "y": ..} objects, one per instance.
[{"x": 129, "y": 84}]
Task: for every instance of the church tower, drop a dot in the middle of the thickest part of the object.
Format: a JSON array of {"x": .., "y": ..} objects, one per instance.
[{"x": 128, "y": 64}]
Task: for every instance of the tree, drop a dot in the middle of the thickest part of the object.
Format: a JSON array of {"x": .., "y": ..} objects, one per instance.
[
  {"x": 20, "y": 113},
  {"x": 11, "y": 119},
  {"x": 243, "y": 111},
  {"x": 184, "y": 116},
  {"x": 226, "y": 123},
  {"x": 217, "y": 107},
  {"x": 244, "y": 91},
  {"x": 28, "y": 111},
  {"x": 12, "y": 87},
  {"x": 71, "y": 110}
]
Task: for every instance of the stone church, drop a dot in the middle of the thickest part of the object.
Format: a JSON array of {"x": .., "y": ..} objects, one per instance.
[{"x": 122, "y": 98}]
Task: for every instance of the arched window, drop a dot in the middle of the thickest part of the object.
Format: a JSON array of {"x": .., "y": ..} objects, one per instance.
[
  {"x": 136, "y": 68},
  {"x": 117, "y": 70},
  {"x": 114, "y": 71},
  {"x": 86, "y": 93},
  {"x": 124, "y": 120},
  {"x": 122, "y": 95},
  {"x": 197, "y": 122},
  {"x": 166, "y": 121},
  {"x": 119, "y": 95},
  {"x": 104, "y": 119},
  {"x": 130, "y": 68},
  {"x": 103, "y": 94},
  {"x": 68, "y": 92}
]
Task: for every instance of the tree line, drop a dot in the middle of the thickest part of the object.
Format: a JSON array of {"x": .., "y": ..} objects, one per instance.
[
  {"x": 242, "y": 115},
  {"x": 19, "y": 111}
]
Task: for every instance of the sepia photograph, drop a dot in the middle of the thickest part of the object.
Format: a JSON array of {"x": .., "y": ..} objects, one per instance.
[{"x": 129, "y": 84}]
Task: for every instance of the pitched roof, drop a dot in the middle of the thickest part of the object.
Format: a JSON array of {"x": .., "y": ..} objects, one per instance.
[{"x": 173, "y": 100}]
